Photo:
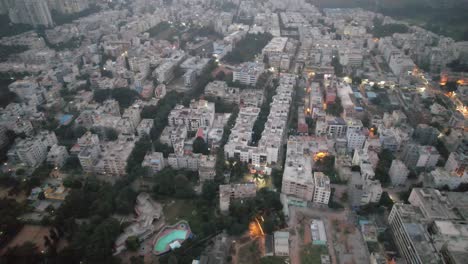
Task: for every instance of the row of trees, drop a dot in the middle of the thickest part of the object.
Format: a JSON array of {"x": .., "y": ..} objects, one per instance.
[
  {"x": 248, "y": 48},
  {"x": 92, "y": 240},
  {"x": 335, "y": 109},
  {"x": 124, "y": 96},
  {"x": 383, "y": 166},
  {"x": 262, "y": 118},
  {"x": 381, "y": 30},
  {"x": 6, "y": 51},
  {"x": 220, "y": 158}
]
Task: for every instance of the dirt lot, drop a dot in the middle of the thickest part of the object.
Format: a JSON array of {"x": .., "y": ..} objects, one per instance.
[
  {"x": 30, "y": 233},
  {"x": 345, "y": 243},
  {"x": 21, "y": 197}
]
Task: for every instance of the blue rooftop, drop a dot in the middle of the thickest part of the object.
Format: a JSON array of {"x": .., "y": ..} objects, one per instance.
[{"x": 65, "y": 119}]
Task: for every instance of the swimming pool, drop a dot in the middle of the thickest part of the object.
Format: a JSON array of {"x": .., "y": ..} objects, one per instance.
[{"x": 163, "y": 242}]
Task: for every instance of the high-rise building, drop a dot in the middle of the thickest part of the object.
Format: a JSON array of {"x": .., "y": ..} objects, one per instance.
[
  {"x": 416, "y": 156},
  {"x": 322, "y": 190},
  {"x": 31, "y": 151},
  {"x": 248, "y": 73},
  {"x": 410, "y": 235},
  {"x": 5, "y": 5},
  {"x": 68, "y": 6},
  {"x": 426, "y": 135},
  {"x": 432, "y": 228},
  {"x": 297, "y": 177},
  {"x": 32, "y": 12},
  {"x": 398, "y": 172}
]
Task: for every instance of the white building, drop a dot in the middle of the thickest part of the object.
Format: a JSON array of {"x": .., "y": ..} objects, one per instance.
[
  {"x": 227, "y": 192},
  {"x": 114, "y": 157},
  {"x": 155, "y": 161},
  {"x": 372, "y": 192},
  {"x": 199, "y": 114},
  {"x": 275, "y": 47},
  {"x": 398, "y": 172},
  {"x": 441, "y": 178},
  {"x": 401, "y": 65},
  {"x": 297, "y": 177},
  {"x": 145, "y": 127},
  {"x": 281, "y": 243},
  {"x": 322, "y": 189},
  {"x": 457, "y": 164},
  {"x": 57, "y": 156},
  {"x": 31, "y": 151},
  {"x": 207, "y": 168},
  {"x": 187, "y": 161},
  {"x": 133, "y": 114},
  {"x": 248, "y": 73},
  {"x": 27, "y": 90}
]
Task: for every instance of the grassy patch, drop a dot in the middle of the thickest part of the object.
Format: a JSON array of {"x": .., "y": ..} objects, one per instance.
[
  {"x": 274, "y": 260},
  {"x": 301, "y": 232},
  {"x": 310, "y": 254},
  {"x": 179, "y": 209},
  {"x": 185, "y": 210}
]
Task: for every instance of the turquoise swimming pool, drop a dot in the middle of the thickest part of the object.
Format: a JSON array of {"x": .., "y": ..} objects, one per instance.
[{"x": 163, "y": 242}]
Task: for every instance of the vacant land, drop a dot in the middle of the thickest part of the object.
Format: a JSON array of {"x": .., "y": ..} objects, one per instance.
[
  {"x": 30, "y": 233},
  {"x": 249, "y": 253},
  {"x": 310, "y": 254}
]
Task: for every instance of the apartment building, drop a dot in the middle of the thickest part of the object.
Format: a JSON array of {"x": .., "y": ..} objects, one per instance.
[
  {"x": 247, "y": 73},
  {"x": 432, "y": 228},
  {"x": 57, "y": 156},
  {"x": 199, "y": 114},
  {"x": 228, "y": 192},
  {"x": 31, "y": 151},
  {"x": 322, "y": 189},
  {"x": 154, "y": 161},
  {"x": 398, "y": 172}
]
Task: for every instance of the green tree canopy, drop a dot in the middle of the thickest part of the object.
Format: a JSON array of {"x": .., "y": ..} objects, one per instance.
[{"x": 200, "y": 146}]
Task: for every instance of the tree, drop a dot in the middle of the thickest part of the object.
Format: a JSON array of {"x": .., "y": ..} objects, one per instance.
[
  {"x": 200, "y": 146},
  {"x": 111, "y": 134},
  {"x": 164, "y": 148},
  {"x": 100, "y": 95},
  {"x": 98, "y": 247},
  {"x": 132, "y": 243},
  {"x": 72, "y": 163},
  {"x": 127, "y": 63},
  {"x": 209, "y": 191},
  {"x": 277, "y": 176},
  {"x": 386, "y": 200},
  {"x": 383, "y": 166},
  {"x": 337, "y": 66},
  {"x": 451, "y": 86},
  {"x": 168, "y": 185},
  {"x": 125, "y": 200},
  {"x": 335, "y": 109},
  {"x": 269, "y": 225},
  {"x": 380, "y": 30},
  {"x": 220, "y": 76},
  {"x": 248, "y": 47},
  {"x": 272, "y": 260},
  {"x": 23, "y": 254}
]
